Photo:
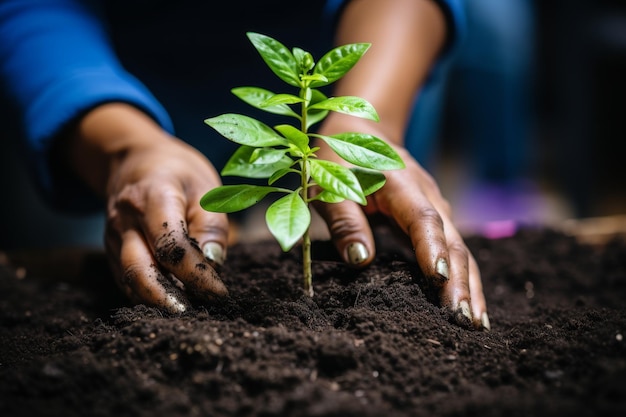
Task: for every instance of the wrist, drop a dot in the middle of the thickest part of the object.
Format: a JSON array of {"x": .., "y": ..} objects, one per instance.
[{"x": 104, "y": 137}]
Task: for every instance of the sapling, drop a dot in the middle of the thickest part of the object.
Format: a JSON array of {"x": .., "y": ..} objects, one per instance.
[{"x": 273, "y": 153}]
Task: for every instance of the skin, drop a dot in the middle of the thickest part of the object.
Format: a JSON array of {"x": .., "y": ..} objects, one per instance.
[{"x": 152, "y": 182}]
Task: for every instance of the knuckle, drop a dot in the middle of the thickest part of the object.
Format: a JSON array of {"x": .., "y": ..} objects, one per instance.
[
  {"x": 459, "y": 251},
  {"x": 343, "y": 226},
  {"x": 129, "y": 276},
  {"x": 168, "y": 250},
  {"x": 130, "y": 196},
  {"x": 430, "y": 217}
]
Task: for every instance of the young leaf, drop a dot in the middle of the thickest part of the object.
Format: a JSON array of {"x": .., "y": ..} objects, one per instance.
[
  {"x": 295, "y": 136},
  {"x": 245, "y": 130},
  {"x": 281, "y": 173},
  {"x": 337, "y": 179},
  {"x": 241, "y": 165},
  {"x": 354, "y": 106},
  {"x": 288, "y": 218},
  {"x": 328, "y": 197},
  {"x": 370, "y": 180},
  {"x": 231, "y": 198},
  {"x": 256, "y": 96},
  {"x": 304, "y": 59},
  {"x": 280, "y": 59},
  {"x": 267, "y": 155},
  {"x": 315, "y": 115},
  {"x": 335, "y": 63},
  {"x": 364, "y": 150},
  {"x": 281, "y": 99}
]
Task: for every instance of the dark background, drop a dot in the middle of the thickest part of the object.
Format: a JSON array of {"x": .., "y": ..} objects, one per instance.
[{"x": 580, "y": 90}]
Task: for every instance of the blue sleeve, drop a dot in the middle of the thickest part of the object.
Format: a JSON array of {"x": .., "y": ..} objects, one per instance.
[{"x": 56, "y": 63}]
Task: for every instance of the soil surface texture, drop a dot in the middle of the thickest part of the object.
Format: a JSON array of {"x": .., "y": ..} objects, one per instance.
[{"x": 369, "y": 343}]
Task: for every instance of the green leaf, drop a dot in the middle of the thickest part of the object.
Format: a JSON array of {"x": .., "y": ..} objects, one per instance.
[
  {"x": 258, "y": 97},
  {"x": 288, "y": 218},
  {"x": 280, "y": 59},
  {"x": 240, "y": 164},
  {"x": 354, "y": 106},
  {"x": 364, "y": 150},
  {"x": 315, "y": 115},
  {"x": 328, "y": 197},
  {"x": 337, "y": 179},
  {"x": 231, "y": 198},
  {"x": 267, "y": 155},
  {"x": 304, "y": 59},
  {"x": 295, "y": 136},
  {"x": 245, "y": 130},
  {"x": 314, "y": 77},
  {"x": 281, "y": 99},
  {"x": 370, "y": 180},
  {"x": 281, "y": 173},
  {"x": 336, "y": 62}
]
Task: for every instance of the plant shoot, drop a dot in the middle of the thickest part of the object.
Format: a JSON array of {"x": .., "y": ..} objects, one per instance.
[{"x": 274, "y": 152}]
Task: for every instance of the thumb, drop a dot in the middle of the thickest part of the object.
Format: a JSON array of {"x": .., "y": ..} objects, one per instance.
[{"x": 349, "y": 230}]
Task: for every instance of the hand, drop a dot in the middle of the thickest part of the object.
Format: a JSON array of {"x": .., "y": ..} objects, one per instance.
[
  {"x": 163, "y": 247},
  {"x": 411, "y": 199},
  {"x": 156, "y": 227}
]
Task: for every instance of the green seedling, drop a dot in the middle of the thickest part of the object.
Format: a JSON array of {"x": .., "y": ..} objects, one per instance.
[{"x": 273, "y": 153}]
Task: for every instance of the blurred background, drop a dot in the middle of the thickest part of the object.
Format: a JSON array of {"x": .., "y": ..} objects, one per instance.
[{"x": 529, "y": 127}]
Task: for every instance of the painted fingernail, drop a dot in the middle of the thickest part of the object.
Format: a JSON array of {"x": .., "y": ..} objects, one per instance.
[
  {"x": 214, "y": 252},
  {"x": 442, "y": 268},
  {"x": 484, "y": 320},
  {"x": 357, "y": 253},
  {"x": 463, "y": 312},
  {"x": 174, "y": 304}
]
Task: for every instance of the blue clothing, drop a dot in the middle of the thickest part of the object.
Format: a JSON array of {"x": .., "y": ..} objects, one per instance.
[{"x": 57, "y": 62}]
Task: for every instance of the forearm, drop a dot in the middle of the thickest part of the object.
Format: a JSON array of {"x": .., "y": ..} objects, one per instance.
[{"x": 406, "y": 38}]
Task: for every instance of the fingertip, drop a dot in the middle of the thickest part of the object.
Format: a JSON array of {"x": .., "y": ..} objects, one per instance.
[
  {"x": 484, "y": 321},
  {"x": 214, "y": 252},
  {"x": 463, "y": 314},
  {"x": 357, "y": 254}
]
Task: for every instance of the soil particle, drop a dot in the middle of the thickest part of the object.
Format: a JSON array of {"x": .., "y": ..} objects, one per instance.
[{"x": 168, "y": 250}]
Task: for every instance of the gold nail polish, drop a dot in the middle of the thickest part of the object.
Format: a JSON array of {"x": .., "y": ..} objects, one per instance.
[
  {"x": 214, "y": 252},
  {"x": 442, "y": 268},
  {"x": 464, "y": 309},
  {"x": 357, "y": 253},
  {"x": 174, "y": 304},
  {"x": 484, "y": 319}
]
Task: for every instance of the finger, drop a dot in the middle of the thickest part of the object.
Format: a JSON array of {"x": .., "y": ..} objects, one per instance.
[
  {"x": 424, "y": 226},
  {"x": 165, "y": 230},
  {"x": 208, "y": 230},
  {"x": 456, "y": 293},
  {"x": 142, "y": 280},
  {"x": 349, "y": 230},
  {"x": 479, "y": 303}
]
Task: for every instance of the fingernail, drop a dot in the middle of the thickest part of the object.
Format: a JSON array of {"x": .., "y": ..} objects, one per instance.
[
  {"x": 174, "y": 304},
  {"x": 214, "y": 252},
  {"x": 464, "y": 310},
  {"x": 484, "y": 319},
  {"x": 357, "y": 253},
  {"x": 442, "y": 268}
]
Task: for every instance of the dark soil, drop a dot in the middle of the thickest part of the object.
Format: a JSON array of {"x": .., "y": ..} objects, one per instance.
[{"x": 370, "y": 343}]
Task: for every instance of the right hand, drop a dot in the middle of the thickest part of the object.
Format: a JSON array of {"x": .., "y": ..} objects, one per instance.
[{"x": 163, "y": 247}]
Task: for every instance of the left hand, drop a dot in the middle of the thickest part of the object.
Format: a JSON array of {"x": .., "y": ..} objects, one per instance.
[{"x": 412, "y": 199}]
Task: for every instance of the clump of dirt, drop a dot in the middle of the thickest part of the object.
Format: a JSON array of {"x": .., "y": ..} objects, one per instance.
[{"x": 369, "y": 343}]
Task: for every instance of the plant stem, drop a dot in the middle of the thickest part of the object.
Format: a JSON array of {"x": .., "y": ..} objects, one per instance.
[
  {"x": 306, "y": 264},
  {"x": 306, "y": 238}
]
